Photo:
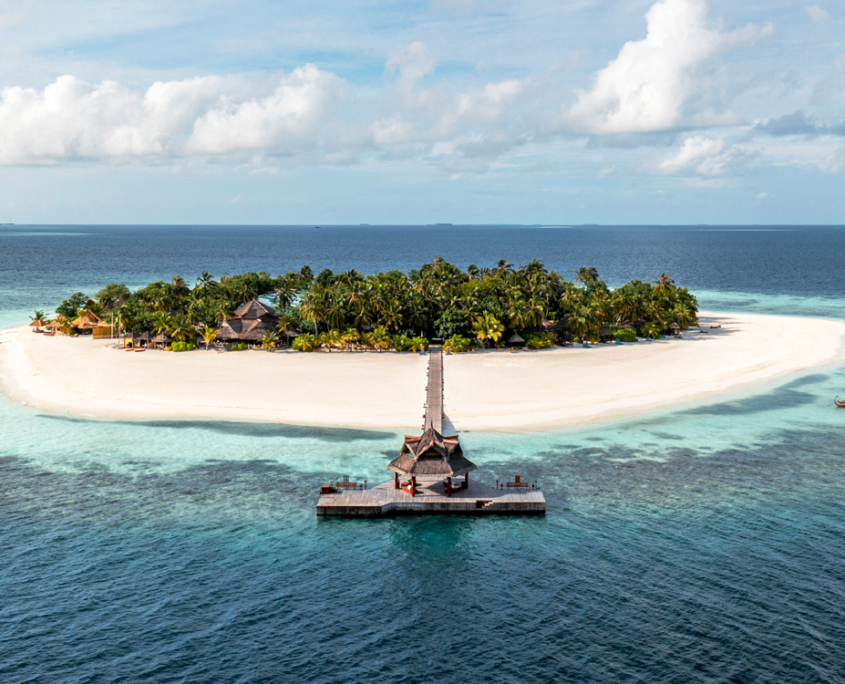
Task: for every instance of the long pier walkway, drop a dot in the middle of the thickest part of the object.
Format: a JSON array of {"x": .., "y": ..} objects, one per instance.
[
  {"x": 434, "y": 393},
  {"x": 432, "y": 493}
]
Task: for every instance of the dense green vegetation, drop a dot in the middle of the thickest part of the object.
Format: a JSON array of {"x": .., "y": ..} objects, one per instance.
[{"x": 479, "y": 306}]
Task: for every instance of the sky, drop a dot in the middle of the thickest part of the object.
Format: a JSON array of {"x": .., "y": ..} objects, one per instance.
[{"x": 552, "y": 112}]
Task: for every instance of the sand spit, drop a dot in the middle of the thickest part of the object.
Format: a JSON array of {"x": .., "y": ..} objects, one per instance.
[{"x": 485, "y": 390}]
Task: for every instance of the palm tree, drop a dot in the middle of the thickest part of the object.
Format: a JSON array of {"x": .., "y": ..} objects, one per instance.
[
  {"x": 39, "y": 315},
  {"x": 206, "y": 282},
  {"x": 664, "y": 283},
  {"x": 487, "y": 327},
  {"x": 349, "y": 337},
  {"x": 314, "y": 307},
  {"x": 587, "y": 275},
  {"x": 503, "y": 267},
  {"x": 179, "y": 329},
  {"x": 329, "y": 339},
  {"x": 580, "y": 322},
  {"x": 208, "y": 335},
  {"x": 270, "y": 340},
  {"x": 284, "y": 324},
  {"x": 161, "y": 322},
  {"x": 380, "y": 338},
  {"x": 651, "y": 330}
]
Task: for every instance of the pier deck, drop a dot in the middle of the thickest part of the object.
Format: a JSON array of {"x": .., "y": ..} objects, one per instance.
[
  {"x": 477, "y": 499},
  {"x": 434, "y": 394}
]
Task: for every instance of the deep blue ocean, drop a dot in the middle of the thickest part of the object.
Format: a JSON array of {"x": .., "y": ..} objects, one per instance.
[{"x": 702, "y": 544}]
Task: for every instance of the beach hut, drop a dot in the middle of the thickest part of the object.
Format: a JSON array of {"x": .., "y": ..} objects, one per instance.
[
  {"x": 676, "y": 329},
  {"x": 37, "y": 324},
  {"x": 86, "y": 321},
  {"x": 161, "y": 341},
  {"x": 142, "y": 341},
  {"x": 515, "y": 341},
  {"x": 606, "y": 335}
]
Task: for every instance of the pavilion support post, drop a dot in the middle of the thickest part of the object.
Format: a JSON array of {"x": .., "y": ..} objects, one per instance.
[
  {"x": 413, "y": 486},
  {"x": 466, "y": 481},
  {"x": 449, "y": 486},
  {"x": 395, "y": 480}
]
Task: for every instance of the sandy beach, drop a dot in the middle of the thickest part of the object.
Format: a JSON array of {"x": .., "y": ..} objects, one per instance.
[{"x": 485, "y": 390}]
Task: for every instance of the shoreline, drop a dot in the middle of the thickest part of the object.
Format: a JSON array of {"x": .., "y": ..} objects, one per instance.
[{"x": 487, "y": 390}]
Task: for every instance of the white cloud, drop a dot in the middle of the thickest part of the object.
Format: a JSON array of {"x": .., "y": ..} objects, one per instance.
[
  {"x": 647, "y": 85},
  {"x": 279, "y": 122},
  {"x": 817, "y": 13},
  {"x": 74, "y": 120},
  {"x": 705, "y": 156}
]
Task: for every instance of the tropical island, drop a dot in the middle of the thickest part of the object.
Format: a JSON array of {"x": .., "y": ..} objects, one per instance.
[
  {"x": 479, "y": 307},
  {"x": 559, "y": 376}
]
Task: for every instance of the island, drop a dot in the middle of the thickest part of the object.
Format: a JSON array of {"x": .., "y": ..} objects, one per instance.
[{"x": 524, "y": 348}]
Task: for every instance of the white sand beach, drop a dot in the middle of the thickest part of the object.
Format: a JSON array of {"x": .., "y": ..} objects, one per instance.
[{"x": 485, "y": 390}]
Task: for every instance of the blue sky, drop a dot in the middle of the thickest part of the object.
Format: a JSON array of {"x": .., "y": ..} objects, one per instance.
[{"x": 462, "y": 111}]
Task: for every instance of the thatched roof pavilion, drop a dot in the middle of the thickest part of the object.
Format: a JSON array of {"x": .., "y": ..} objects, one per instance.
[
  {"x": 515, "y": 340},
  {"x": 431, "y": 455}
]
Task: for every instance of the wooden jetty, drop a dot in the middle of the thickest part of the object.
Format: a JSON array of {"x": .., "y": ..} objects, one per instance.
[{"x": 431, "y": 475}]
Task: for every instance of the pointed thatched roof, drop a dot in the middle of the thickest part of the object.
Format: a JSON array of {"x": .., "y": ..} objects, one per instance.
[
  {"x": 87, "y": 320},
  {"x": 254, "y": 330},
  {"x": 515, "y": 339},
  {"x": 675, "y": 326},
  {"x": 37, "y": 323},
  {"x": 229, "y": 329},
  {"x": 162, "y": 338},
  {"x": 431, "y": 455},
  {"x": 253, "y": 310}
]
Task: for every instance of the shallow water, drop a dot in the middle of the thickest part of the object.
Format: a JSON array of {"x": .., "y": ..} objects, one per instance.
[{"x": 703, "y": 544}]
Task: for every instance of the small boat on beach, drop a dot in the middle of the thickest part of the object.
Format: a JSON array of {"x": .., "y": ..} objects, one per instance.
[{"x": 839, "y": 402}]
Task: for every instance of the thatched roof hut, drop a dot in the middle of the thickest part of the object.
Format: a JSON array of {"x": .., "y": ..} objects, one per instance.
[
  {"x": 37, "y": 323},
  {"x": 606, "y": 334},
  {"x": 515, "y": 340},
  {"x": 675, "y": 326},
  {"x": 253, "y": 310},
  {"x": 88, "y": 320},
  {"x": 431, "y": 455},
  {"x": 162, "y": 338}
]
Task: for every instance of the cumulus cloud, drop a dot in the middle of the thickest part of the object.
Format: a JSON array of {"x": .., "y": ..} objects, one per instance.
[
  {"x": 71, "y": 119},
  {"x": 646, "y": 87},
  {"x": 280, "y": 122},
  {"x": 704, "y": 155},
  {"x": 817, "y": 13}
]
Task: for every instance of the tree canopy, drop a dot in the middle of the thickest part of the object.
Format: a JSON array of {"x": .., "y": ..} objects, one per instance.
[{"x": 436, "y": 300}]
